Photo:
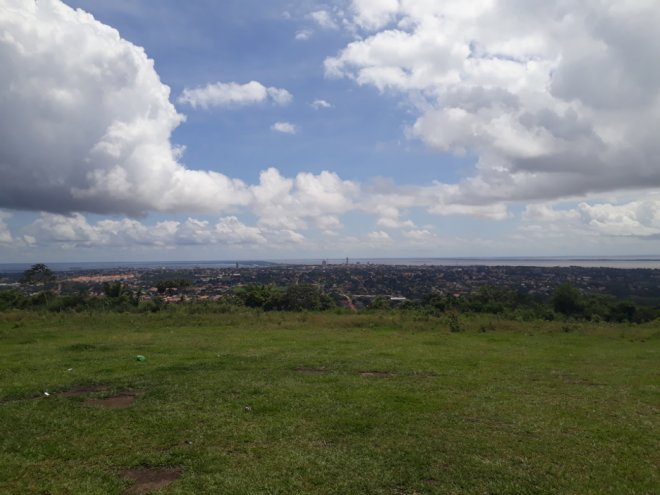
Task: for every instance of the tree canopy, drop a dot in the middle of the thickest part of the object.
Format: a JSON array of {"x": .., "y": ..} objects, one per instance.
[{"x": 38, "y": 274}]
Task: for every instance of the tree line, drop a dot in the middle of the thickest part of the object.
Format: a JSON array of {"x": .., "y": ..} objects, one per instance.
[{"x": 566, "y": 301}]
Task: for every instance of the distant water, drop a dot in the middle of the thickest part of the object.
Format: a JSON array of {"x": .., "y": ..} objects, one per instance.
[
  {"x": 587, "y": 262},
  {"x": 560, "y": 261}
]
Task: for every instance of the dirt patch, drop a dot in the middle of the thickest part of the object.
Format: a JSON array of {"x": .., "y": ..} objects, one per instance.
[
  {"x": 81, "y": 391},
  {"x": 119, "y": 401},
  {"x": 376, "y": 374},
  {"x": 305, "y": 370},
  {"x": 147, "y": 480}
]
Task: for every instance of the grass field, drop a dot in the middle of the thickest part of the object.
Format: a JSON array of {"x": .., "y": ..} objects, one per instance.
[{"x": 276, "y": 403}]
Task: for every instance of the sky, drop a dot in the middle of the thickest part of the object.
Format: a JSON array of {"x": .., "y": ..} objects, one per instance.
[{"x": 165, "y": 130}]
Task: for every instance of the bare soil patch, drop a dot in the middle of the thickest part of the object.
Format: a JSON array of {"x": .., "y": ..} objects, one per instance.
[
  {"x": 376, "y": 374},
  {"x": 119, "y": 401},
  {"x": 147, "y": 480},
  {"x": 306, "y": 370}
]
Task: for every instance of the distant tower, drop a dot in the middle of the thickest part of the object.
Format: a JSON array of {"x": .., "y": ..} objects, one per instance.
[
  {"x": 324, "y": 263},
  {"x": 347, "y": 260},
  {"x": 237, "y": 265}
]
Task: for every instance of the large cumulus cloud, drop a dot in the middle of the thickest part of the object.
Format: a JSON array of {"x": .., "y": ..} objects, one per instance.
[
  {"x": 556, "y": 98},
  {"x": 87, "y": 122}
]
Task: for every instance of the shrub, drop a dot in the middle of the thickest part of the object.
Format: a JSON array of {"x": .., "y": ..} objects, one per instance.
[
  {"x": 455, "y": 324},
  {"x": 567, "y": 300}
]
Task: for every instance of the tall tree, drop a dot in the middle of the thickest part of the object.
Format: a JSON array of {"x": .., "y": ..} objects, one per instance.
[{"x": 38, "y": 274}]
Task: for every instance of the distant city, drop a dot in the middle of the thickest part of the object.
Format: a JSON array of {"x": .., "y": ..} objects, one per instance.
[
  {"x": 360, "y": 280},
  {"x": 650, "y": 261}
]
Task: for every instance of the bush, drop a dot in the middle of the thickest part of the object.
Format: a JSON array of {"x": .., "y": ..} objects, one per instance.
[
  {"x": 76, "y": 302},
  {"x": 568, "y": 300},
  {"x": 302, "y": 297},
  {"x": 455, "y": 324},
  {"x": 153, "y": 306},
  {"x": 379, "y": 303},
  {"x": 12, "y": 299}
]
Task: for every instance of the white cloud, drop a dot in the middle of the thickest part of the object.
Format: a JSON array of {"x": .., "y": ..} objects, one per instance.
[
  {"x": 318, "y": 104},
  {"x": 304, "y": 35},
  {"x": 233, "y": 94},
  {"x": 329, "y": 224},
  {"x": 637, "y": 219},
  {"x": 324, "y": 19},
  {"x": 422, "y": 236},
  {"x": 285, "y": 203},
  {"x": 5, "y": 233},
  {"x": 389, "y": 216},
  {"x": 90, "y": 121},
  {"x": 557, "y": 99},
  {"x": 497, "y": 211},
  {"x": 394, "y": 223},
  {"x": 284, "y": 239},
  {"x": 280, "y": 96},
  {"x": 75, "y": 231},
  {"x": 374, "y": 14},
  {"x": 379, "y": 237},
  {"x": 284, "y": 127}
]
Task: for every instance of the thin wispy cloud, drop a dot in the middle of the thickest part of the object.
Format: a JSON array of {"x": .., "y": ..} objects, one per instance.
[
  {"x": 304, "y": 34},
  {"x": 324, "y": 19},
  {"x": 318, "y": 104}
]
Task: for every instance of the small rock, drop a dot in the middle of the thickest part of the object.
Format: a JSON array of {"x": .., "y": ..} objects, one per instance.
[{"x": 247, "y": 409}]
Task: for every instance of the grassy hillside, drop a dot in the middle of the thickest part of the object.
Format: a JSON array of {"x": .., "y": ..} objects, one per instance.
[{"x": 296, "y": 403}]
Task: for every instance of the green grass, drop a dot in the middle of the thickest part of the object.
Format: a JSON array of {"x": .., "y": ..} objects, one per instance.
[{"x": 501, "y": 408}]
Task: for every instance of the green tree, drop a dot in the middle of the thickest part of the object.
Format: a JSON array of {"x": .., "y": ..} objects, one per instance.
[
  {"x": 113, "y": 289},
  {"x": 568, "y": 300},
  {"x": 435, "y": 303},
  {"x": 378, "y": 303},
  {"x": 302, "y": 297},
  {"x": 624, "y": 311},
  {"x": 166, "y": 286},
  {"x": 12, "y": 299},
  {"x": 38, "y": 274},
  {"x": 267, "y": 297}
]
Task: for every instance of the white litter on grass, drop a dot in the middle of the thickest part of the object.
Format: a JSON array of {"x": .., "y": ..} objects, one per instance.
[{"x": 46, "y": 394}]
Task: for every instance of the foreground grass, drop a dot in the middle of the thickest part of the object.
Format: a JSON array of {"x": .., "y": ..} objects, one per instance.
[{"x": 501, "y": 408}]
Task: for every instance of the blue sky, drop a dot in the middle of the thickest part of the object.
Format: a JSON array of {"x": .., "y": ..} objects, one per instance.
[
  {"x": 360, "y": 137},
  {"x": 325, "y": 129}
]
